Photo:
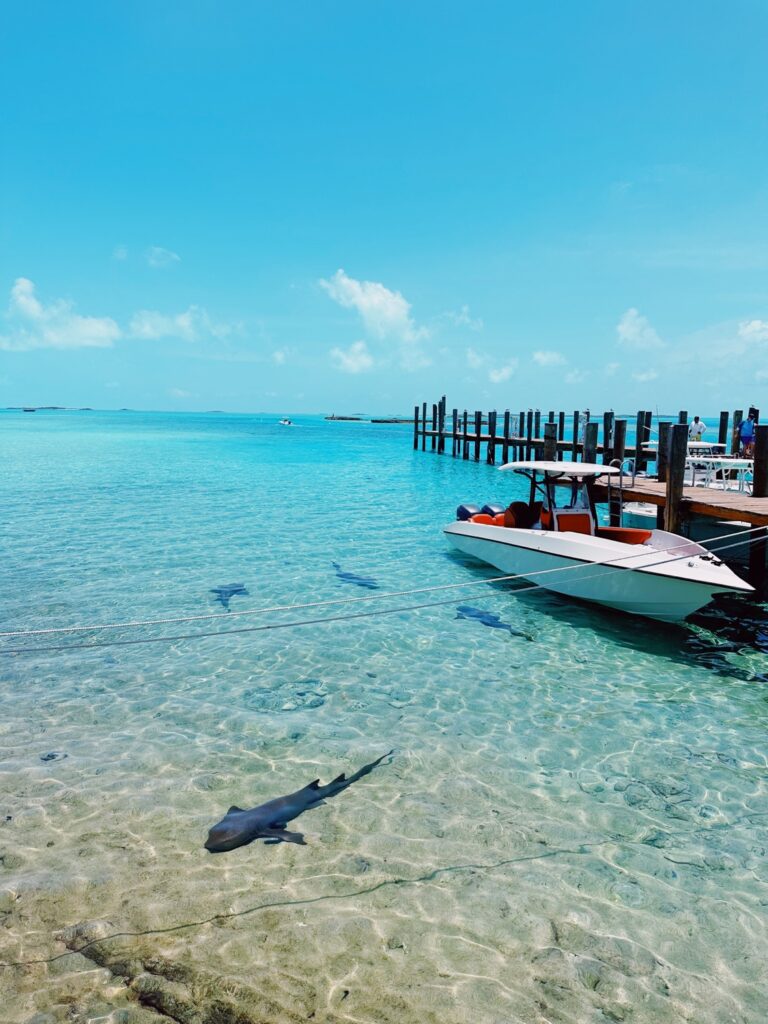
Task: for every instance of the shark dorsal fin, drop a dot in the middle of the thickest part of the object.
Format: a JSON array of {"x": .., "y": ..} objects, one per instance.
[
  {"x": 234, "y": 808},
  {"x": 314, "y": 785},
  {"x": 339, "y": 778}
]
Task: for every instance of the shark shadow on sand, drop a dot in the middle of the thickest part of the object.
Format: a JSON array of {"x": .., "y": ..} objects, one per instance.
[
  {"x": 359, "y": 581},
  {"x": 466, "y": 611}
]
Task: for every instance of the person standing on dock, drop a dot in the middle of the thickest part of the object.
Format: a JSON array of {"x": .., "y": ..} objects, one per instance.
[
  {"x": 747, "y": 436},
  {"x": 696, "y": 429}
]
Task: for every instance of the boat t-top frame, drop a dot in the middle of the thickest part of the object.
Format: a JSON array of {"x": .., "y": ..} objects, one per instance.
[{"x": 544, "y": 476}]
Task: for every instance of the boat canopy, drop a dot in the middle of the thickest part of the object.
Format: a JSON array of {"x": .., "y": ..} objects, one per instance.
[{"x": 570, "y": 469}]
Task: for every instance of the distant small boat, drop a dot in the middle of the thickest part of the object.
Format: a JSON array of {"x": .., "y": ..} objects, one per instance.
[
  {"x": 285, "y": 423},
  {"x": 28, "y": 409}
]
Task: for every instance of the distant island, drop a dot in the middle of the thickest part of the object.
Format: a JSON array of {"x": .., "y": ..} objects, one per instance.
[
  {"x": 46, "y": 408},
  {"x": 362, "y": 419}
]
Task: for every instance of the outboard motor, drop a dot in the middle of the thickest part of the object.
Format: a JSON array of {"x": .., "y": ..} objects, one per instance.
[
  {"x": 492, "y": 510},
  {"x": 465, "y": 512}
]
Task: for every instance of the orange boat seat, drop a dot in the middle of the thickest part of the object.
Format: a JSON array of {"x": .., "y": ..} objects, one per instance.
[
  {"x": 624, "y": 534},
  {"x": 574, "y": 520},
  {"x": 483, "y": 519}
]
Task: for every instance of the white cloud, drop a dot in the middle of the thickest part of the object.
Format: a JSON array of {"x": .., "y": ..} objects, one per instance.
[
  {"x": 31, "y": 324},
  {"x": 279, "y": 356},
  {"x": 462, "y": 318},
  {"x": 645, "y": 375},
  {"x": 635, "y": 331},
  {"x": 754, "y": 330},
  {"x": 502, "y": 373},
  {"x": 355, "y": 359},
  {"x": 385, "y": 313},
  {"x": 120, "y": 253},
  {"x": 193, "y": 324},
  {"x": 549, "y": 358},
  {"x": 576, "y": 376},
  {"x": 159, "y": 258},
  {"x": 179, "y": 393},
  {"x": 611, "y": 369},
  {"x": 496, "y": 374},
  {"x": 475, "y": 360}
]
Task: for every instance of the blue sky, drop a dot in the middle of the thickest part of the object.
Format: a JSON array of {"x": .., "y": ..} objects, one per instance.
[{"x": 318, "y": 206}]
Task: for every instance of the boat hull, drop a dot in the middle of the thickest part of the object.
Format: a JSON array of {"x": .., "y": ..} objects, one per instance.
[{"x": 654, "y": 591}]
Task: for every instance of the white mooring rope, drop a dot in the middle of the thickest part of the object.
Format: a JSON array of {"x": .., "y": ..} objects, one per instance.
[{"x": 339, "y": 618}]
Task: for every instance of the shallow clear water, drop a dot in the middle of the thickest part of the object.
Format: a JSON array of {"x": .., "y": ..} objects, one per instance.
[{"x": 573, "y": 827}]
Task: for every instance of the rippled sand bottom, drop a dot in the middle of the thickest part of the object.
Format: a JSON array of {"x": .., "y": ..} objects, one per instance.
[{"x": 570, "y": 830}]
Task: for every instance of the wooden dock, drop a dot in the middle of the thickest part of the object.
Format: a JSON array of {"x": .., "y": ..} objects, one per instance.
[
  {"x": 527, "y": 436},
  {"x": 708, "y": 502}
]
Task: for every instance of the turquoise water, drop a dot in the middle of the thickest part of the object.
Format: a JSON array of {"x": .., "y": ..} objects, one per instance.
[{"x": 573, "y": 827}]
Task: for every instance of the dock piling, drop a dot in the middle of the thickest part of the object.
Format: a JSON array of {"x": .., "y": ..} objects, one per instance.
[
  {"x": 759, "y": 540},
  {"x": 619, "y": 440},
  {"x": 505, "y": 442},
  {"x": 722, "y": 433},
  {"x": 738, "y": 416},
  {"x": 490, "y": 456},
  {"x": 478, "y": 432},
  {"x": 607, "y": 437},
  {"x": 678, "y": 453},
  {"x": 416, "y": 428},
  {"x": 663, "y": 456},
  {"x": 550, "y": 442},
  {"x": 575, "y": 449},
  {"x": 590, "y": 442},
  {"x": 760, "y": 473},
  {"x": 639, "y": 435}
]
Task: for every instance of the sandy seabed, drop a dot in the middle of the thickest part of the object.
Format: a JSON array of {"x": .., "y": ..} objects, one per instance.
[{"x": 545, "y": 845}]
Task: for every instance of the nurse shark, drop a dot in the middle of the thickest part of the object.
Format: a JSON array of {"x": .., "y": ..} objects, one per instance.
[{"x": 268, "y": 821}]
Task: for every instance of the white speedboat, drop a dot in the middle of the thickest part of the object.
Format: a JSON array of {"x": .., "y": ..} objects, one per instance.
[
  {"x": 553, "y": 540},
  {"x": 285, "y": 423}
]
